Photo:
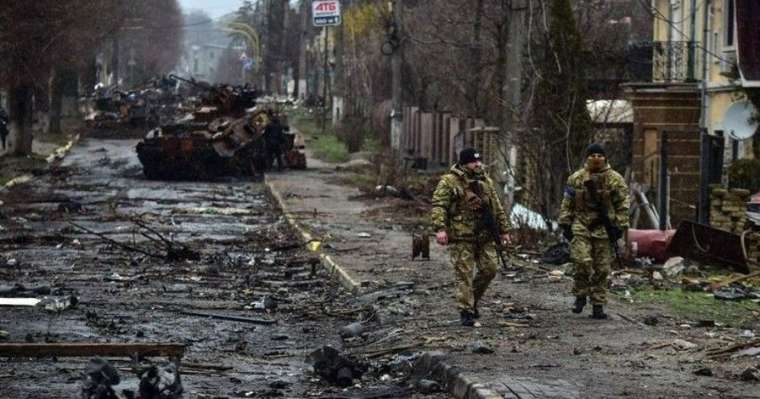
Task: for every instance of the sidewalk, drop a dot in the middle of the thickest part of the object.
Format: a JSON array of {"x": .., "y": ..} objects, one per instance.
[
  {"x": 540, "y": 349},
  {"x": 20, "y": 170}
]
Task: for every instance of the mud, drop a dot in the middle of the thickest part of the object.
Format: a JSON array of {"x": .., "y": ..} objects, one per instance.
[{"x": 250, "y": 266}]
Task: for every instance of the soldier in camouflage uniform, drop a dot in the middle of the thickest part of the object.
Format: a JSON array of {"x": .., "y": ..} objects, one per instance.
[
  {"x": 593, "y": 187},
  {"x": 459, "y": 202}
]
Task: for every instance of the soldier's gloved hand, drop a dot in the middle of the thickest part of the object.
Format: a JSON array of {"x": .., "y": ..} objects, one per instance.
[
  {"x": 567, "y": 231},
  {"x": 442, "y": 237},
  {"x": 615, "y": 233},
  {"x": 506, "y": 239}
]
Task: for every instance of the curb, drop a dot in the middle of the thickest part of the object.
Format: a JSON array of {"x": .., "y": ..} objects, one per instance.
[
  {"x": 334, "y": 269},
  {"x": 452, "y": 379},
  {"x": 59, "y": 153}
]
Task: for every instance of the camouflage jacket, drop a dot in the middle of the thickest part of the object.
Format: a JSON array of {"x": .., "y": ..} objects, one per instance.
[
  {"x": 579, "y": 208},
  {"x": 457, "y": 205}
]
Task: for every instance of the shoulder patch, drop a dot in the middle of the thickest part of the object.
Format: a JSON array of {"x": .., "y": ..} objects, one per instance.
[{"x": 569, "y": 192}]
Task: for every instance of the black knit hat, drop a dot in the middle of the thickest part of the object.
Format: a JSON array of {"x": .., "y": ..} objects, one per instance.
[
  {"x": 468, "y": 155},
  {"x": 595, "y": 148}
]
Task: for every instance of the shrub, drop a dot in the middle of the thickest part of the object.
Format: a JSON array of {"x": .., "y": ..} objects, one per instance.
[{"x": 745, "y": 173}]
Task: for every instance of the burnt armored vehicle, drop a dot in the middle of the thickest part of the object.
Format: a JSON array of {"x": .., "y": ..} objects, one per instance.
[
  {"x": 224, "y": 136},
  {"x": 200, "y": 151}
]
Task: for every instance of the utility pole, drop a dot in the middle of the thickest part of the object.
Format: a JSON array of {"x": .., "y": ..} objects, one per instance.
[
  {"x": 301, "y": 86},
  {"x": 703, "y": 209},
  {"x": 325, "y": 81},
  {"x": 512, "y": 96},
  {"x": 396, "y": 59}
]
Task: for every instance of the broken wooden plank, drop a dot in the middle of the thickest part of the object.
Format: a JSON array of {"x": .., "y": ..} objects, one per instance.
[
  {"x": 733, "y": 348},
  {"x": 717, "y": 286},
  {"x": 19, "y": 301},
  {"x": 231, "y": 318},
  {"x": 206, "y": 366},
  {"x": 78, "y": 349}
]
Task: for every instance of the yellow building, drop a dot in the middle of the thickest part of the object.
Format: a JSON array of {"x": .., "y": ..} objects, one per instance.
[{"x": 695, "y": 40}]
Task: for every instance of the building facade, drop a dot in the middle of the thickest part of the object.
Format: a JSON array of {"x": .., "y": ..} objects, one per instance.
[{"x": 695, "y": 41}]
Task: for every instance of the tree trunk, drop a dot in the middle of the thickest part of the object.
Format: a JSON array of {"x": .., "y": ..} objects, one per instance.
[
  {"x": 56, "y": 105},
  {"x": 511, "y": 77},
  {"x": 115, "y": 60},
  {"x": 397, "y": 78},
  {"x": 21, "y": 103},
  {"x": 64, "y": 85},
  {"x": 339, "y": 87},
  {"x": 473, "y": 95}
]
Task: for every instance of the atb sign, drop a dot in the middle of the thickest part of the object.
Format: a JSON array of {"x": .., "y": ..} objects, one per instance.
[{"x": 326, "y": 12}]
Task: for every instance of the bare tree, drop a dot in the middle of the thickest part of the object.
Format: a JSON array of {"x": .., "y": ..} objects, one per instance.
[{"x": 49, "y": 40}]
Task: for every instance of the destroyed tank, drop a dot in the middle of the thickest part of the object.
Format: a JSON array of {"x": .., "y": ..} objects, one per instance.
[
  {"x": 201, "y": 151},
  {"x": 225, "y": 99}
]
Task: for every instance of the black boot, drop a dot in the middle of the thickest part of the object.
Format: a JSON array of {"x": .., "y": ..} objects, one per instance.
[
  {"x": 467, "y": 318},
  {"x": 598, "y": 312},
  {"x": 580, "y": 302}
]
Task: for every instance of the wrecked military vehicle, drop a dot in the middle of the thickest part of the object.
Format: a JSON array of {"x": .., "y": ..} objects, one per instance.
[{"x": 224, "y": 136}]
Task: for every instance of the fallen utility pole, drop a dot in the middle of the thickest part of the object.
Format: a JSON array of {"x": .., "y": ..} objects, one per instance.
[
  {"x": 231, "y": 318},
  {"x": 91, "y": 349}
]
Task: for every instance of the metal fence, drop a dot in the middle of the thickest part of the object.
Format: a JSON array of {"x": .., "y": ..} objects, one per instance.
[
  {"x": 434, "y": 139},
  {"x": 676, "y": 61}
]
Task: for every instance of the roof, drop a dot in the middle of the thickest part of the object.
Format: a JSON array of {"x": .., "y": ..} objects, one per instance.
[{"x": 610, "y": 111}]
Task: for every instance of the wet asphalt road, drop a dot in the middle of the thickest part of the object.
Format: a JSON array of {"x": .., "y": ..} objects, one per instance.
[{"x": 128, "y": 292}]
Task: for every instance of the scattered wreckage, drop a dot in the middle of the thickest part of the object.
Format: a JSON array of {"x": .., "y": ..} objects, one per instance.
[
  {"x": 223, "y": 136},
  {"x": 195, "y": 130}
]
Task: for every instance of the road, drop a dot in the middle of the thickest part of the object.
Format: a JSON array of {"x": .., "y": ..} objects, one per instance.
[{"x": 250, "y": 264}]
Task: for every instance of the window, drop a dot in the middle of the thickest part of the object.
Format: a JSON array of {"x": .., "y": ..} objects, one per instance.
[{"x": 729, "y": 12}]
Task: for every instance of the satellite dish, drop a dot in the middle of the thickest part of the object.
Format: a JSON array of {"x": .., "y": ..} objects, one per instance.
[{"x": 738, "y": 122}]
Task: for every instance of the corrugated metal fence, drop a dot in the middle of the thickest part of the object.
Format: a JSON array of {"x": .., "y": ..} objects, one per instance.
[{"x": 434, "y": 139}]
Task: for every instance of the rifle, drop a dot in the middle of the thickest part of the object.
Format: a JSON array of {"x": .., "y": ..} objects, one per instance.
[
  {"x": 489, "y": 222},
  {"x": 603, "y": 218}
]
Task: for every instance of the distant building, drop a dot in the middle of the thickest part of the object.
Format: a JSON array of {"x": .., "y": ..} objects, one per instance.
[{"x": 207, "y": 50}]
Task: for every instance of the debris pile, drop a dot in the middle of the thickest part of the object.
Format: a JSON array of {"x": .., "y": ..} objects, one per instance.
[
  {"x": 335, "y": 367},
  {"x": 112, "y": 108},
  {"x": 98, "y": 379},
  {"x": 160, "y": 382}
]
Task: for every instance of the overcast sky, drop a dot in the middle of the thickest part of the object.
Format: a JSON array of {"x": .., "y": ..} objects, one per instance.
[{"x": 214, "y": 8}]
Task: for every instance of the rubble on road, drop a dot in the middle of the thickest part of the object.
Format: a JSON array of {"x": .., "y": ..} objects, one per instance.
[
  {"x": 335, "y": 367},
  {"x": 161, "y": 381},
  {"x": 750, "y": 374},
  {"x": 98, "y": 379}
]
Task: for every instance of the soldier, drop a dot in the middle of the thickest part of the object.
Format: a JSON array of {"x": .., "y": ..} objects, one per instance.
[
  {"x": 274, "y": 138},
  {"x": 3, "y": 126},
  {"x": 590, "y": 192},
  {"x": 461, "y": 199}
]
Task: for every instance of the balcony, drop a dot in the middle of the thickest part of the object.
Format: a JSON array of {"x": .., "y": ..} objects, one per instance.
[{"x": 676, "y": 62}]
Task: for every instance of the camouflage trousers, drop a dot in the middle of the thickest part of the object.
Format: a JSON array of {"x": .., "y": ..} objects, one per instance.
[
  {"x": 474, "y": 268},
  {"x": 592, "y": 258}
]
